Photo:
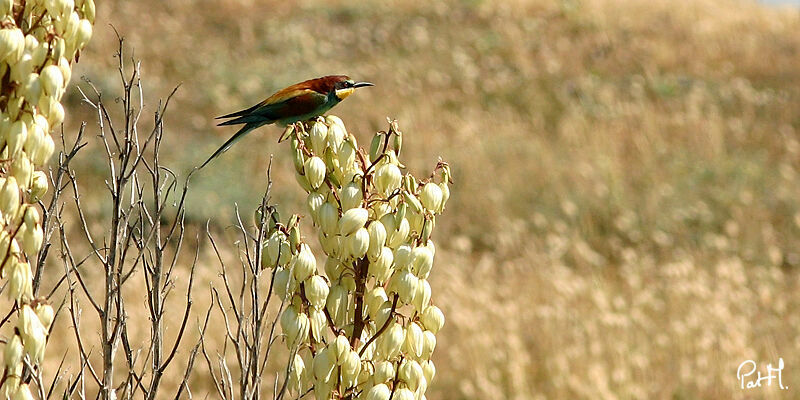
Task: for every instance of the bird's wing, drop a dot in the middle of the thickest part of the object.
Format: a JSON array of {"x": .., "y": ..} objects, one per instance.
[
  {"x": 295, "y": 90},
  {"x": 296, "y": 104},
  {"x": 298, "y": 89}
]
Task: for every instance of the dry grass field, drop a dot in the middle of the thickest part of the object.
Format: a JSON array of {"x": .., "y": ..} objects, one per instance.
[{"x": 625, "y": 219}]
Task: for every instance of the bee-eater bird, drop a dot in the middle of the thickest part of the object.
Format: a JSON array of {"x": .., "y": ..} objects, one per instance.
[{"x": 299, "y": 102}]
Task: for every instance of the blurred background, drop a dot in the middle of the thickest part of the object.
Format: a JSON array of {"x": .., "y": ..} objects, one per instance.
[{"x": 625, "y": 218}]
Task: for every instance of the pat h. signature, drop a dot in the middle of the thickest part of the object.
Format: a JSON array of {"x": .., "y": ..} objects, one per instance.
[{"x": 749, "y": 381}]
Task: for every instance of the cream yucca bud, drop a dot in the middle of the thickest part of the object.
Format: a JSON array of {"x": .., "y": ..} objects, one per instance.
[
  {"x": 66, "y": 69},
  {"x": 421, "y": 261},
  {"x": 337, "y": 304},
  {"x": 429, "y": 244},
  {"x": 359, "y": 243},
  {"x": 390, "y": 341},
  {"x": 399, "y": 235},
  {"x": 295, "y": 383},
  {"x": 278, "y": 251},
  {"x": 380, "y": 209},
  {"x": 423, "y": 295},
  {"x": 387, "y": 178},
  {"x": 14, "y": 105},
  {"x": 38, "y": 51},
  {"x": 411, "y": 373},
  {"x": 16, "y": 138},
  {"x": 324, "y": 362},
  {"x": 352, "y": 220},
  {"x": 19, "y": 285},
  {"x": 61, "y": 7},
  {"x": 5, "y": 242},
  {"x": 304, "y": 263},
  {"x": 382, "y": 313},
  {"x": 44, "y": 147},
  {"x": 11, "y": 384},
  {"x": 318, "y": 136},
  {"x": 376, "y": 146},
  {"x": 284, "y": 283},
  {"x": 9, "y": 196},
  {"x": 32, "y": 240},
  {"x": 45, "y": 313},
  {"x": 284, "y": 251},
  {"x": 12, "y": 353},
  {"x": 433, "y": 319},
  {"x": 381, "y": 267},
  {"x": 384, "y": 371},
  {"x": 416, "y": 221},
  {"x": 298, "y": 159},
  {"x": 331, "y": 245},
  {"x": 314, "y": 201},
  {"x": 295, "y": 326},
  {"x": 333, "y": 267},
  {"x": 428, "y": 344},
  {"x": 308, "y": 370},
  {"x": 347, "y": 155},
  {"x": 56, "y": 113},
  {"x": 23, "y": 393},
  {"x": 351, "y": 196},
  {"x": 364, "y": 380},
  {"x": 403, "y": 256},
  {"x": 445, "y": 195},
  {"x": 34, "y": 336},
  {"x": 336, "y": 132},
  {"x": 404, "y": 283},
  {"x": 397, "y": 141},
  {"x": 318, "y": 323},
  {"x": 403, "y": 394},
  {"x": 332, "y": 163},
  {"x": 374, "y": 298},
  {"x": 412, "y": 202},
  {"x": 377, "y": 239},
  {"x": 414, "y": 339},
  {"x": 5, "y": 125},
  {"x": 31, "y": 88},
  {"x": 88, "y": 10},
  {"x": 314, "y": 169},
  {"x": 317, "y": 291},
  {"x": 82, "y": 34},
  {"x": 328, "y": 218},
  {"x": 431, "y": 197},
  {"x": 429, "y": 370},
  {"x": 30, "y": 216},
  {"x": 350, "y": 367},
  {"x": 369, "y": 352},
  {"x": 12, "y": 44},
  {"x": 379, "y": 392},
  {"x": 323, "y": 390},
  {"x": 41, "y": 121},
  {"x": 430, "y": 223},
  {"x": 52, "y": 80},
  {"x": 294, "y": 232},
  {"x": 340, "y": 346},
  {"x": 410, "y": 183}
]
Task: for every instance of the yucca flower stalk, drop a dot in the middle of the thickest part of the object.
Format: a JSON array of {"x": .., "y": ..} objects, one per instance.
[
  {"x": 39, "y": 41},
  {"x": 365, "y": 327}
]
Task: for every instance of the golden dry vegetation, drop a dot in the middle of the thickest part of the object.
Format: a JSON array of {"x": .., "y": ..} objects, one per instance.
[{"x": 625, "y": 218}]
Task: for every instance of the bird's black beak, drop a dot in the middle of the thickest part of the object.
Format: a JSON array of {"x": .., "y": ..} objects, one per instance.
[{"x": 362, "y": 84}]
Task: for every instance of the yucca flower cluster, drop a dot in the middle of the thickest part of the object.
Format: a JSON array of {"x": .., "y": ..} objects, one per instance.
[
  {"x": 365, "y": 328},
  {"x": 39, "y": 39}
]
